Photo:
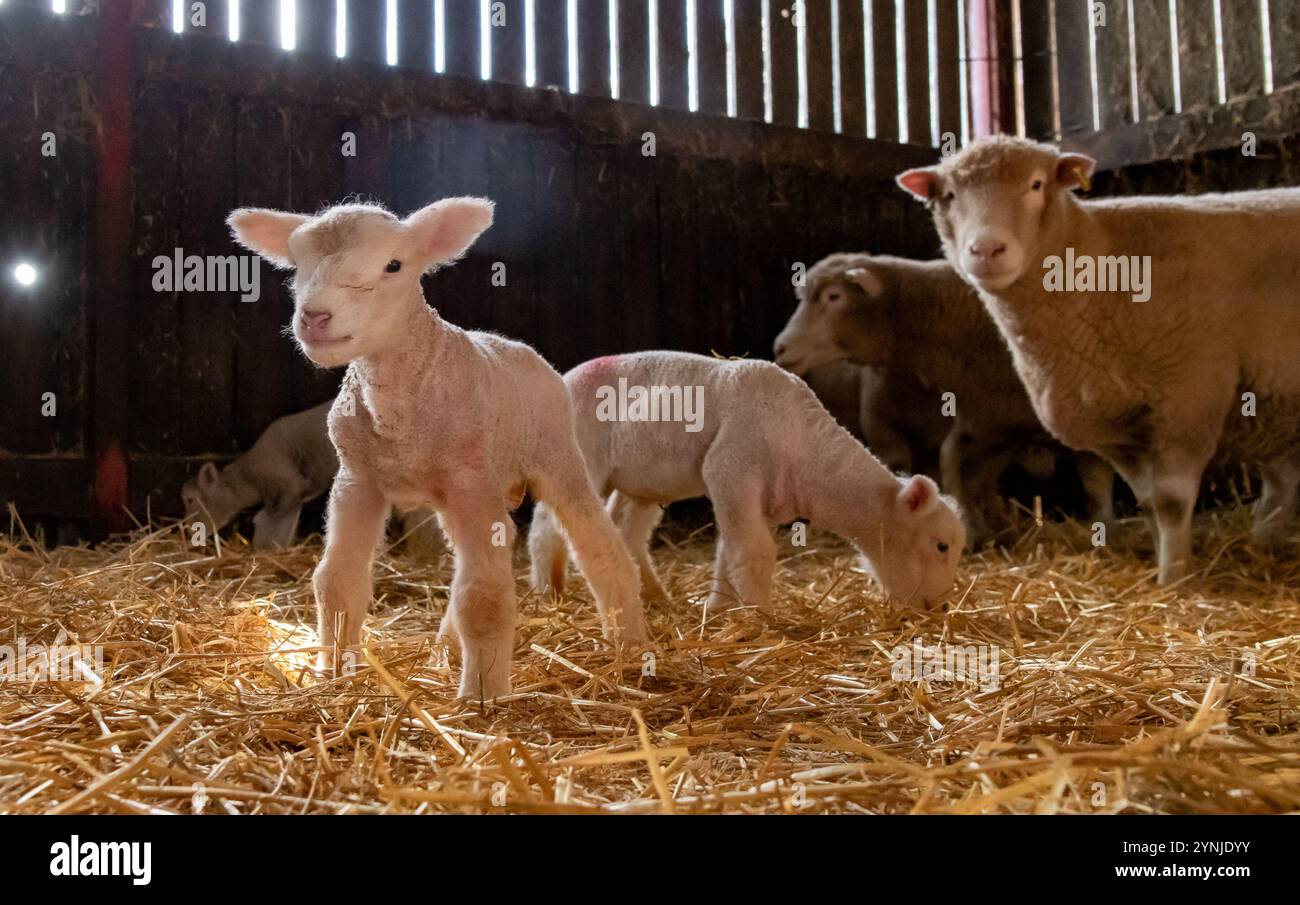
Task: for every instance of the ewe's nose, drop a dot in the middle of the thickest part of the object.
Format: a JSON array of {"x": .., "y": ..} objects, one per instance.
[
  {"x": 315, "y": 319},
  {"x": 779, "y": 347},
  {"x": 988, "y": 248}
]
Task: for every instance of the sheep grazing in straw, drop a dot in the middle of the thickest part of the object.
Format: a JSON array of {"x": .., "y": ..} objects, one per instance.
[
  {"x": 1156, "y": 332},
  {"x": 920, "y": 318},
  {"x": 429, "y": 414},
  {"x": 755, "y": 441}
]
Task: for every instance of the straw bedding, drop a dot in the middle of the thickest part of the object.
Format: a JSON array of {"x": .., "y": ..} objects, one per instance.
[{"x": 1112, "y": 694}]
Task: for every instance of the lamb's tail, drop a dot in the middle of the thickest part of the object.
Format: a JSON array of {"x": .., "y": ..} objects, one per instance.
[{"x": 547, "y": 550}]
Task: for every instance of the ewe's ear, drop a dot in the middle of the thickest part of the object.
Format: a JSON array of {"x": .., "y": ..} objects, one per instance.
[
  {"x": 446, "y": 229},
  {"x": 867, "y": 280},
  {"x": 1075, "y": 171},
  {"x": 208, "y": 477},
  {"x": 922, "y": 182},
  {"x": 918, "y": 495},
  {"x": 265, "y": 232}
]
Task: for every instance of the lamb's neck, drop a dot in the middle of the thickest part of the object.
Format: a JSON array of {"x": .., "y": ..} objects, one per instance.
[
  {"x": 843, "y": 485},
  {"x": 396, "y": 375}
]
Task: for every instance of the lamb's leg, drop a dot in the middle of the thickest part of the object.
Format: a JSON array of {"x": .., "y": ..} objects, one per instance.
[
  {"x": 547, "y": 551},
  {"x": 1099, "y": 485},
  {"x": 275, "y": 527},
  {"x": 746, "y": 555},
  {"x": 342, "y": 581},
  {"x": 637, "y": 520},
  {"x": 951, "y": 454},
  {"x": 597, "y": 547},
  {"x": 481, "y": 613},
  {"x": 1276, "y": 506}
]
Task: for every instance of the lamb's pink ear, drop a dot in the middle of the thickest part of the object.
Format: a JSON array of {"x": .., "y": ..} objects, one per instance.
[
  {"x": 446, "y": 229},
  {"x": 922, "y": 182},
  {"x": 265, "y": 232},
  {"x": 208, "y": 477},
  {"x": 1075, "y": 171},
  {"x": 867, "y": 279},
  {"x": 919, "y": 494}
]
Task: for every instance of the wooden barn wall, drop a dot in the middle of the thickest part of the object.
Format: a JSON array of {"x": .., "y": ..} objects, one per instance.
[{"x": 605, "y": 249}]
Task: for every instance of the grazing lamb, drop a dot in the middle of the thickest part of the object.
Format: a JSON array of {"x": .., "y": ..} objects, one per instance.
[
  {"x": 920, "y": 317},
  {"x": 765, "y": 451},
  {"x": 1152, "y": 331},
  {"x": 292, "y": 463},
  {"x": 429, "y": 414}
]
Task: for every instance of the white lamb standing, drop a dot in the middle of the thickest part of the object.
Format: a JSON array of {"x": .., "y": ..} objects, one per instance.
[
  {"x": 921, "y": 318},
  {"x": 1198, "y": 354},
  {"x": 429, "y": 414},
  {"x": 765, "y": 452}
]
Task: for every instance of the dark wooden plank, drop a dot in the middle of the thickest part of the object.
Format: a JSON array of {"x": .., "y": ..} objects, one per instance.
[
  {"x": 463, "y": 293},
  {"x": 259, "y": 23},
  {"x": 1114, "y": 72},
  {"x": 1243, "y": 48},
  {"x": 819, "y": 64},
  {"x": 512, "y": 241},
  {"x": 316, "y": 30},
  {"x": 638, "y": 241},
  {"x": 316, "y": 181},
  {"x": 1036, "y": 45},
  {"x": 551, "y": 43},
  {"x": 853, "y": 73},
  {"x": 366, "y": 34},
  {"x": 672, "y": 53},
  {"x": 762, "y": 283},
  {"x": 916, "y": 48},
  {"x": 1197, "y": 66},
  {"x": 783, "y": 62},
  {"x": 365, "y": 167},
  {"x": 1154, "y": 58},
  {"x": 679, "y": 247},
  {"x": 206, "y": 317},
  {"x": 265, "y": 148},
  {"x": 790, "y": 232},
  {"x": 508, "y": 33},
  {"x": 461, "y": 44},
  {"x": 415, "y": 34},
  {"x": 155, "y": 389},
  {"x": 1073, "y": 67},
  {"x": 146, "y": 13},
  {"x": 634, "y": 51},
  {"x": 598, "y": 324},
  {"x": 748, "y": 28},
  {"x": 1284, "y": 32},
  {"x": 593, "y": 47},
  {"x": 557, "y": 286},
  {"x": 721, "y": 319},
  {"x": 711, "y": 56},
  {"x": 885, "y": 69}
]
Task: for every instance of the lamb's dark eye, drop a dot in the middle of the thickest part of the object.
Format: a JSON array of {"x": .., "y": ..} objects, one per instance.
[
  {"x": 393, "y": 267},
  {"x": 943, "y": 548},
  {"x": 1037, "y": 186},
  {"x": 950, "y": 196}
]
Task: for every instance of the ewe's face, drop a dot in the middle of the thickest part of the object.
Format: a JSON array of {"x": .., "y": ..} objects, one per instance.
[
  {"x": 916, "y": 562},
  {"x": 358, "y": 268},
  {"x": 831, "y": 324},
  {"x": 994, "y": 202}
]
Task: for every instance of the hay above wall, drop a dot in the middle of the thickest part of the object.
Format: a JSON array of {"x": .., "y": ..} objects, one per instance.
[{"x": 1114, "y": 695}]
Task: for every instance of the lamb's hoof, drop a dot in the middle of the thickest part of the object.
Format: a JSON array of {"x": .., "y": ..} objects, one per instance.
[
  {"x": 335, "y": 663},
  {"x": 483, "y": 690}
]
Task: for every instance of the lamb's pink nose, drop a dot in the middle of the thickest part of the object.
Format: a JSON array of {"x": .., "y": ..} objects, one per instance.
[
  {"x": 987, "y": 248},
  {"x": 314, "y": 320}
]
